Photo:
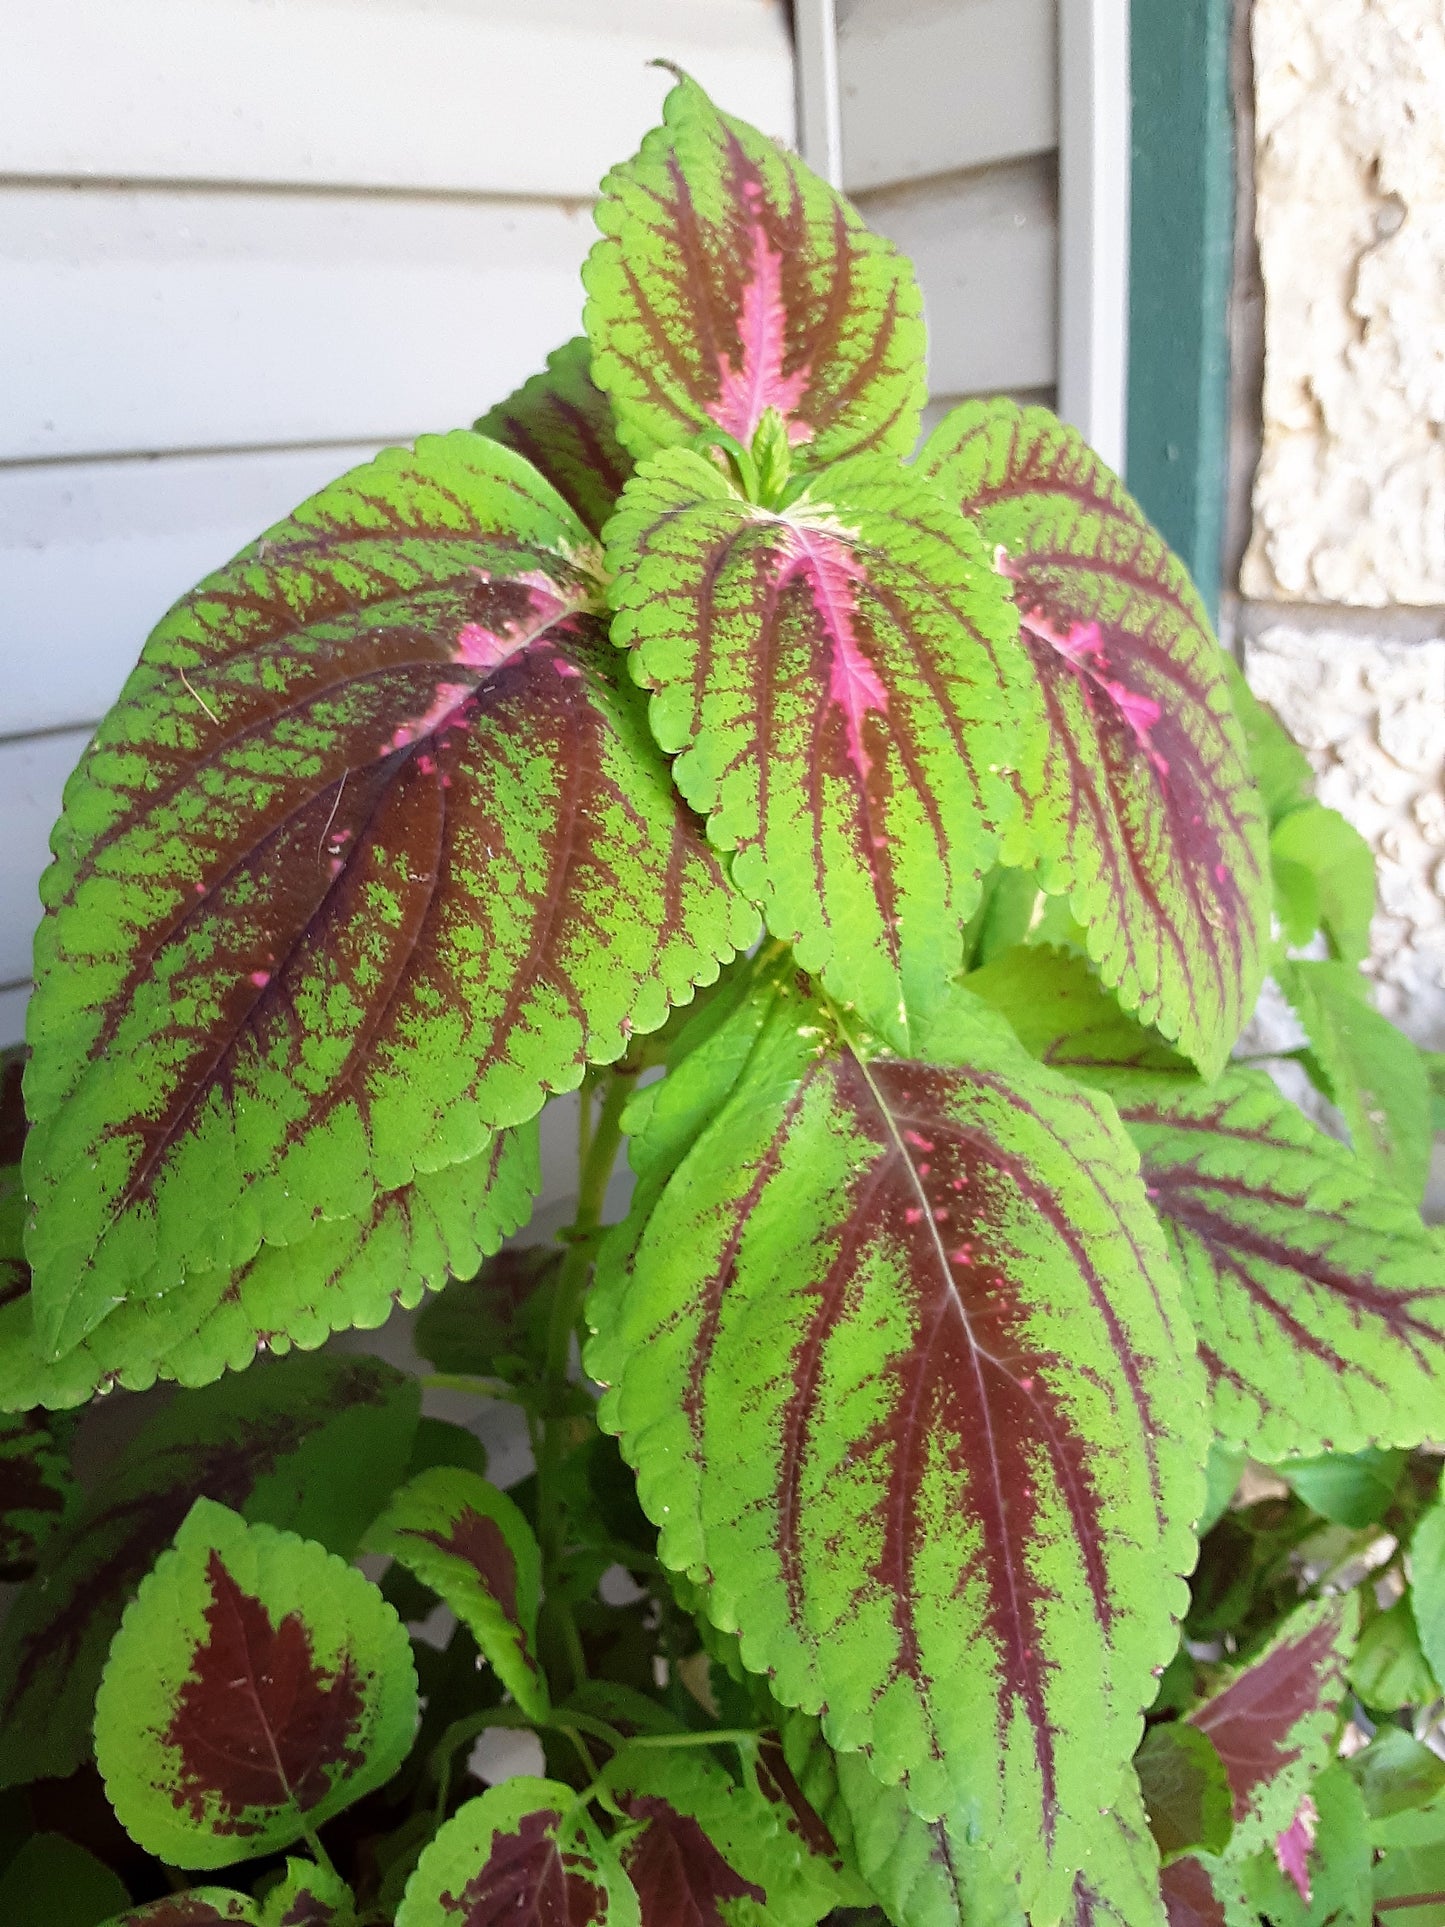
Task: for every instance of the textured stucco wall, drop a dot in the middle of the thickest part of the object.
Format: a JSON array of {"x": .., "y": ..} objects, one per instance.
[
  {"x": 1350, "y": 189},
  {"x": 1343, "y": 618}
]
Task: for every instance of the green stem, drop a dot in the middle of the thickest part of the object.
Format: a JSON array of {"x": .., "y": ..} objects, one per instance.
[
  {"x": 477, "y": 1386},
  {"x": 319, "y": 1854},
  {"x": 598, "y": 1141}
]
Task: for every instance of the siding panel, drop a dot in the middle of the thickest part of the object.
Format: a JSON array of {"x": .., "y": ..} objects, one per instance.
[{"x": 32, "y": 776}]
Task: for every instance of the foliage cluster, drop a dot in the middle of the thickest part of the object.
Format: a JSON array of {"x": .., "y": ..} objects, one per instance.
[{"x": 880, "y": 843}]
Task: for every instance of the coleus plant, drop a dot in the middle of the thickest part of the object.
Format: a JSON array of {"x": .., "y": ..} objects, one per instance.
[{"x": 899, "y": 807}]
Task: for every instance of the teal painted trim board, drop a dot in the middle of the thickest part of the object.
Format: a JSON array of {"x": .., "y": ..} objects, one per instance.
[{"x": 1181, "y": 263}]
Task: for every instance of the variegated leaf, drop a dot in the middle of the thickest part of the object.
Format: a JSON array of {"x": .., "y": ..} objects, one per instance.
[
  {"x": 1317, "y": 1294},
  {"x": 729, "y": 280},
  {"x": 1150, "y": 821},
  {"x": 371, "y": 855},
  {"x": 257, "y": 1686},
  {"x": 1202, "y": 1891},
  {"x": 852, "y": 708},
  {"x": 472, "y": 1545},
  {"x": 344, "y": 1272},
  {"x": 903, "y": 1370},
  {"x": 562, "y": 422},
  {"x": 1273, "y": 1722}
]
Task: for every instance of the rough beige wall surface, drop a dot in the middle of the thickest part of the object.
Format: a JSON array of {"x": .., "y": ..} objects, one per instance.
[
  {"x": 1370, "y": 715},
  {"x": 1349, "y": 502}
]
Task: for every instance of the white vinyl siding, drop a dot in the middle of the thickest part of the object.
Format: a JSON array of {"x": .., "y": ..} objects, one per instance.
[{"x": 243, "y": 243}]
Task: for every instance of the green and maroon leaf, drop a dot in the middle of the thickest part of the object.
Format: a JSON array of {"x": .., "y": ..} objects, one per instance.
[
  {"x": 1201, "y": 1891},
  {"x": 1317, "y": 1294},
  {"x": 680, "y": 1877},
  {"x": 729, "y": 279},
  {"x": 311, "y": 1442},
  {"x": 519, "y": 1853},
  {"x": 562, "y": 422},
  {"x": 1273, "y": 1723},
  {"x": 199, "y": 1907},
  {"x": 36, "y": 1487},
  {"x": 372, "y": 854},
  {"x": 853, "y": 712},
  {"x": 1119, "y": 1884},
  {"x": 1150, "y": 821},
  {"x": 901, "y": 1364},
  {"x": 258, "y": 1685},
  {"x": 343, "y": 1272},
  {"x": 308, "y": 1896},
  {"x": 472, "y": 1545}
]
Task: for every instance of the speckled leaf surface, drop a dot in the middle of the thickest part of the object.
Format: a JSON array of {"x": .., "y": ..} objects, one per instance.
[
  {"x": 729, "y": 279},
  {"x": 258, "y": 1685},
  {"x": 471, "y": 1544},
  {"x": 1317, "y": 1293},
  {"x": 308, "y": 1896},
  {"x": 1119, "y": 1885},
  {"x": 904, "y": 1374},
  {"x": 519, "y": 1854},
  {"x": 850, "y": 708},
  {"x": 1150, "y": 821},
  {"x": 266, "y": 1445},
  {"x": 1273, "y": 1722},
  {"x": 562, "y": 422},
  {"x": 372, "y": 853}
]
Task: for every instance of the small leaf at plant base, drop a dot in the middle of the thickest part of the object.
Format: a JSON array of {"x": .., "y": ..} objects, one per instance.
[
  {"x": 519, "y": 1852},
  {"x": 1186, "y": 1789},
  {"x": 320, "y": 1440},
  {"x": 480, "y": 1326},
  {"x": 308, "y": 1896},
  {"x": 1389, "y": 1670},
  {"x": 852, "y": 710},
  {"x": 1317, "y": 1294},
  {"x": 346, "y": 1271},
  {"x": 1341, "y": 865},
  {"x": 1200, "y": 1891},
  {"x": 853, "y": 1241},
  {"x": 37, "y": 1487},
  {"x": 1371, "y": 1070},
  {"x": 562, "y": 422},
  {"x": 50, "y": 1881},
  {"x": 472, "y": 1546},
  {"x": 372, "y": 854},
  {"x": 257, "y": 1687},
  {"x": 729, "y": 280},
  {"x": 197, "y": 1907},
  {"x": 1352, "y": 1488},
  {"x": 716, "y": 1841},
  {"x": 1273, "y": 1721},
  {"x": 1149, "y": 821}
]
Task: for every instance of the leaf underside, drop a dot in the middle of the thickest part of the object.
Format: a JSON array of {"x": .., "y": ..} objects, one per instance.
[
  {"x": 257, "y": 1686},
  {"x": 371, "y": 855},
  {"x": 1150, "y": 821},
  {"x": 901, "y": 1367},
  {"x": 562, "y": 422},
  {"x": 729, "y": 280},
  {"x": 853, "y": 712}
]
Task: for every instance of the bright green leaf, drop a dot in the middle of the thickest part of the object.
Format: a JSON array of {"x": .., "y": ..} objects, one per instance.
[
  {"x": 472, "y": 1546},
  {"x": 1280, "y": 766},
  {"x": 1341, "y": 865},
  {"x": 844, "y": 689},
  {"x": 1398, "y": 1776},
  {"x": 1427, "y": 1585},
  {"x": 1389, "y": 1670},
  {"x": 1148, "y": 821},
  {"x": 1352, "y": 1488},
  {"x": 1338, "y": 1868},
  {"x": 308, "y": 1896},
  {"x": 825, "y": 1262},
  {"x": 257, "y": 1686},
  {"x": 730, "y": 280},
  {"x": 1371, "y": 1070}
]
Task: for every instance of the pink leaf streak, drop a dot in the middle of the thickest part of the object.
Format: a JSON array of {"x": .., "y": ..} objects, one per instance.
[
  {"x": 758, "y": 382},
  {"x": 853, "y": 682},
  {"x": 1292, "y": 1847}
]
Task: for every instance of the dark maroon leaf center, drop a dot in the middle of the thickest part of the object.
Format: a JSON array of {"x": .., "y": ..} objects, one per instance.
[
  {"x": 529, "y": 1882},
  {"x": 679, "y": 1874},
  {"x": 258, "y": 1724},
  {"x": 481, "y": 1542}
]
